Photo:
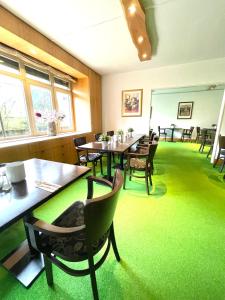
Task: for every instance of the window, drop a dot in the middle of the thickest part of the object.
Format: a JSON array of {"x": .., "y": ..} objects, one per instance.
[
  {"x": 61, "y": 83},
  {"x": 26, "y": 90},
  {"x": 42, "y": 103},
  {"x": 64, "y": 107},
  {"x": 9, "y": 65},
  {"x": 37, "y": 75},
  {"x": 13, "y": 112}
]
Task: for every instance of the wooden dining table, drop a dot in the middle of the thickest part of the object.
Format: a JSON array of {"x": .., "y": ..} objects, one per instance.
[
  {"x": 112, "y": 146},
  {"x": 25, "y": 263}
]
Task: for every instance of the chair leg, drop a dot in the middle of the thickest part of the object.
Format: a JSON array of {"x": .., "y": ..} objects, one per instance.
[
  {"x": 113, "y": 240},
  {"x": 222, "y": 166},
  {"x": 130, "y": 175},
  {"x": 93, "y": 277},
  {"x": 146, "y": 182},
  {"x": 101, "y": 166},
  {"x": 150, "y": 176},
  {"x": 125, "y": 175},
  {"x": 48, "y": 270}
]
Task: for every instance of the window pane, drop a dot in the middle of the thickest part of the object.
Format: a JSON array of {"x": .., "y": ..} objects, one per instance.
[
  {"x": 13, "y": 112},
  {"x": 9, "y": 65},
  {"x": 64, "y": 107},
  {"x": 42, "y": 104},
  {"x": 37, "y": 75},
  {"x": 61, "y": 83}
]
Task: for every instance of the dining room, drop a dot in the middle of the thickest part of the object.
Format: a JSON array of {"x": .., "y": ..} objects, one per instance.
[{"x": 95, "y": 202}]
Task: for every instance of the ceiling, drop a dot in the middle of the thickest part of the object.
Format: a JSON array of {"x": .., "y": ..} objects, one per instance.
[{"x": 95, "y": 31}]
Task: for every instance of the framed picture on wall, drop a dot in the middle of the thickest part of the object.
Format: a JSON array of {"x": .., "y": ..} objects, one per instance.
[
  {"x": 185, "y": 110},
  {"x": 132, "y": 103}
]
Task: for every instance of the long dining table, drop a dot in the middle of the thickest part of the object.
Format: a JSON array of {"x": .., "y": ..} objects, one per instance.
[
  {"x": 25, "y": 263},
  {"x": 112, "y": 146}
]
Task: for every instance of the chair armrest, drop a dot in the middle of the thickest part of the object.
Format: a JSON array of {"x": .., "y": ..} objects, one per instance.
[
  {"x": 52, "y": 230},
  {"x": 91, "y": 180},
  {"x": 138, "y": 155}
]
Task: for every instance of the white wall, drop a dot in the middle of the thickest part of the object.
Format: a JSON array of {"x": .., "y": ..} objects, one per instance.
[
  {"x": 205, "y": 112},
  {"x": 200, "y": 73}
]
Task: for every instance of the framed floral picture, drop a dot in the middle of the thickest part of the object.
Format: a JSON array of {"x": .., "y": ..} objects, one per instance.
[
  {"x": 185, "y": 110},
  {"x": 132, "y": 103}
]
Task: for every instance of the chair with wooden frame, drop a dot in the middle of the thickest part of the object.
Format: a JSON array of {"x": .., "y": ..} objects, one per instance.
[
  {"x": 79, "y": 233},
  {"x": 187, "y": 133},
  {"x": 142, "y": 160},
  {"x": 162, "y": 131},
  {"x": 84, "y": 156},
  {"x": 221, "y": 153}
]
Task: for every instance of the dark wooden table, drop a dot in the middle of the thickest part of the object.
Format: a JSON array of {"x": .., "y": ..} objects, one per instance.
[
  {"x": 117, "y": 147},
  {"x": 25, "y": 263}
]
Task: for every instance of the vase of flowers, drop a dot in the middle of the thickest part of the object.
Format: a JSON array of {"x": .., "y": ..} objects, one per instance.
[
  {"x": 130, "y": 132},
  {"x": 104, "y": 138},
  {"x": 52, "y": 119},
  {"x": 120, "y": 134}
]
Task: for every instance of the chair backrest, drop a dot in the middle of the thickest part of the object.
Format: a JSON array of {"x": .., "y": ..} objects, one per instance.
[
  {"x": 152, "y": 150},
  {"x": 97, "y": 136},
  {"x": 159, "y": 129},
  {"x": 198, "y": 130},
  {"x": 110, "y": 133},
  {"x": 99, "y": 212},
  {"x": 79, "y": 141},
  {"x": 191, "y": 129},
  {"x": 222, "y": 142}
]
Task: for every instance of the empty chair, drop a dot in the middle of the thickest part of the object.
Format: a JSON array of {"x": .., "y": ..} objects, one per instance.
[
  {"x": 212, "y": 139},
  {"x": 221, "y": 152},
  {"x": 141, "y": 161},
  {"x": 205, "y": 139},
  {"x": 79, "y": 233},
  {"x": 110, "y": 133},
  {"x": 97, "y": 136},
  {"x": 198, "y": 134},
  {"x": 162, "y": 131},
  {"x": 186, "y": 134},
  {"x": 84, "y": 157}
]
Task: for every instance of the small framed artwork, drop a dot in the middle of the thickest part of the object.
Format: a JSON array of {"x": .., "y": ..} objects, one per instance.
[
  {"x": 132, "y": 103},
  {"x": 185, "y": 110}
]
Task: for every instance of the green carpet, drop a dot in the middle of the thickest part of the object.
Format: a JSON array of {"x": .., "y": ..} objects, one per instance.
[{"x": 172, "y": 243}]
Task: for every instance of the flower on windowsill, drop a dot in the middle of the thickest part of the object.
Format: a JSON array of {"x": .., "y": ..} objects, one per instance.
[{"x": 52, "y": 116}]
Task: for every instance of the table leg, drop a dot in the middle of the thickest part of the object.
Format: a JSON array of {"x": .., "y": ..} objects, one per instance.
[
  {"x": 25, "y": 263},
  {"x": 109, "y": 165}
]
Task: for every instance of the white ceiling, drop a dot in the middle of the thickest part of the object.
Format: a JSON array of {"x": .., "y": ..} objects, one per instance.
[{"x": 95, "y": 31}]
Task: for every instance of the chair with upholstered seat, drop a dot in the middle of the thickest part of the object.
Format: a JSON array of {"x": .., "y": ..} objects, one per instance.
[
  {"x": 186, "y": 134},
  {"x": 79, "y": 233},
  {"x": 221, "y": 152},
  {"x": 84, "y": 157},
  {"x": 141, "y": 161},
  {"x": 162, "y": 131}
]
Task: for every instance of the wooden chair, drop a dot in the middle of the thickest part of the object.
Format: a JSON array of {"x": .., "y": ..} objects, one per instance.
[
  {"x": 142, "y": 160},
  {"x": 110, "y": 133},
  {"x": 205, "y": 139},
  {"x": 162, "y": 131},
  {"x": 187, "y": 133},
  {"x": 84, "y": 157},
  {"x": 198, "y": 134},
  {"x": 221, "y": 152},
  {"x": 79, "y": 233}
]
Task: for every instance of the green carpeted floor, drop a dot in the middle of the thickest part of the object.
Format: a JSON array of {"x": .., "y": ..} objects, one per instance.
[{"x": 172, "y": 243}]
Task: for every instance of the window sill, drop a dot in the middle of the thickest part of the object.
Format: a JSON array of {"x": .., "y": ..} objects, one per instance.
[{"x": 29, "y": 140}]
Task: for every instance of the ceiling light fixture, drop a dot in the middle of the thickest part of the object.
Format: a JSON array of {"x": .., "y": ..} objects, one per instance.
[
  {"x": 140, "y": 39},
  {"x": 135, "y": 17},
  {"x": 132, "y": 9}
]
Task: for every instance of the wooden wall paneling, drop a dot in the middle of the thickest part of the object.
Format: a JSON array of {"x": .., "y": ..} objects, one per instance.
[
  {"x": 96, "y": 101},
  {"x": 10, "y": 154}
]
